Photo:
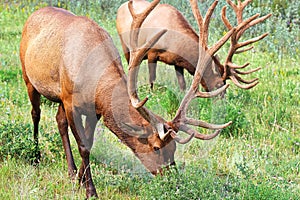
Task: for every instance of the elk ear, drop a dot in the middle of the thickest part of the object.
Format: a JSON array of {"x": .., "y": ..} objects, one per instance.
[
  {"x": 217, "y": 57},
  {"x": 161, "y": 131},
  {"x": 218, "y": 67},
  {"x": 143, "y": 140}
]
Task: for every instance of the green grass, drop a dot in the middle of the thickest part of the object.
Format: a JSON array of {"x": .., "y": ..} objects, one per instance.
[{"x": 257, "y": 157}]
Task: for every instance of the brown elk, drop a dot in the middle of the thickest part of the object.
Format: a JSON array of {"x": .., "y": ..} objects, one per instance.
[
  {"x": 72, "y": 61},
  {"x": 178, "y": 47}
]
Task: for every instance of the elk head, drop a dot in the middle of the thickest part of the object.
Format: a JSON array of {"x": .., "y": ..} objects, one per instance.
[{"x": 229, "y": 70}]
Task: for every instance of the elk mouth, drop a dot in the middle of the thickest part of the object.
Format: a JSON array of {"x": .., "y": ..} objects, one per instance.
[
  {"x": 162, "y": 171},
  {"x": 219, "y": 85}
]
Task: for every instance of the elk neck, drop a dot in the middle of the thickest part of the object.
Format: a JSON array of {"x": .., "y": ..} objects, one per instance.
[{"x": 113, "y": 104}]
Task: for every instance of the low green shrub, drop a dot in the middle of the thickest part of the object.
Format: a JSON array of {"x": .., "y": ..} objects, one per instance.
[{"x": 16, "y": 141}]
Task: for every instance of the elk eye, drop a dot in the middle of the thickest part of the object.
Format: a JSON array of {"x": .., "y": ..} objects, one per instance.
[
  {"x": 143, "y": 140},
  {"x": 156, "y": 149}
]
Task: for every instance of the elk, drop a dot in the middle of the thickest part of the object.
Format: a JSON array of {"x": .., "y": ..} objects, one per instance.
[
  {"x": 72, "y": 61},
  {"x": 178, "y": 47}
]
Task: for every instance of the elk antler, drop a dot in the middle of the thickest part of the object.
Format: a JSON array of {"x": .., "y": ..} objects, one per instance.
[
  {"x": 231, "y": 69},
  {"x": 180, "y": 122},
  {"x": 136, "y": 57}
]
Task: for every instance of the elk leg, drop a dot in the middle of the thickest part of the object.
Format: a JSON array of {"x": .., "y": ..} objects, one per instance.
[
  {"x": 90, "y": 125},
  {"x": 35, "y": 99},
  {"x": 152, "y": 64},
  {"x": 63, "y": 130},
  {"x": 75, "y": 122},
  {"x": 180, "y": 77}
]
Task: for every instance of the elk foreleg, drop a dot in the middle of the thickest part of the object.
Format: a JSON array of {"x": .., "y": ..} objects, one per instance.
[
  {"x": 180, "y": 77},
  {"x": 90, "y": 125},
  {"x": 75, "y": 122},
  {"x": 63, "y": 130}
]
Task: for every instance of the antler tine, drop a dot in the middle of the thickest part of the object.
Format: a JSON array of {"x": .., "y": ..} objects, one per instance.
[
  {"x": 181, "y": 140},
  {"x": 235, "y": 66},
  {"x": 138, "y": 20},
  {"x": 203, "y": 24},
  {"x": 253, "y": 23},
  {"x": 197, "y": 14},
  {"x": 230, "y": 70},
  {"x": 204, "y": 124},
  {"x": 212, "y": 93},
  {"x": 207, "y": 21},
  {"x": 245, "y": 81},
  {"x": 239, "y": 8},
  {"x": 244, "y": 50},
  {"x": 251, "y": 41},
  {"x": 197, "y": 135},
  {"x": 180, "y": 121},
  {"x": 136, "y": 56},
  {"x": 237, "y": 83},
  {"x": 248, "y": 72},
  {"x": 225, "y": 19}
]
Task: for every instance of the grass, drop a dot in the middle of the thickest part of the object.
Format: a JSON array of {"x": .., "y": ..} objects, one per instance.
[{"x": 257, "y": 157}]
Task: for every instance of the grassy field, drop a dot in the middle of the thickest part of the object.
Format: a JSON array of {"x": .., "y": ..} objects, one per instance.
[{"x": 257, "y": 157}]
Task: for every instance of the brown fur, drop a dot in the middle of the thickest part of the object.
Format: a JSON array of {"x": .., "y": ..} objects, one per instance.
[{"x": 72, "y": 61}]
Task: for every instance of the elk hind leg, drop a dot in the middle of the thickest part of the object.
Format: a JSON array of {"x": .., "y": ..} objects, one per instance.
[
  {"x": 35, "y": 99},
  {"x": 125, "y": 50},
  {"x": 152, "y": 64},
  {"x": 180, "y": 77}
]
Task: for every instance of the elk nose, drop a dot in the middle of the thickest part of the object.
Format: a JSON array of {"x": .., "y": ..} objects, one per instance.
[
  {"x": 219, "y": 85},
  {"x": 173, "y": 163}
]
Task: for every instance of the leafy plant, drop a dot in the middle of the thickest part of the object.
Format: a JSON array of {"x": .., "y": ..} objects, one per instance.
[{"x": 162, "y": 98}]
